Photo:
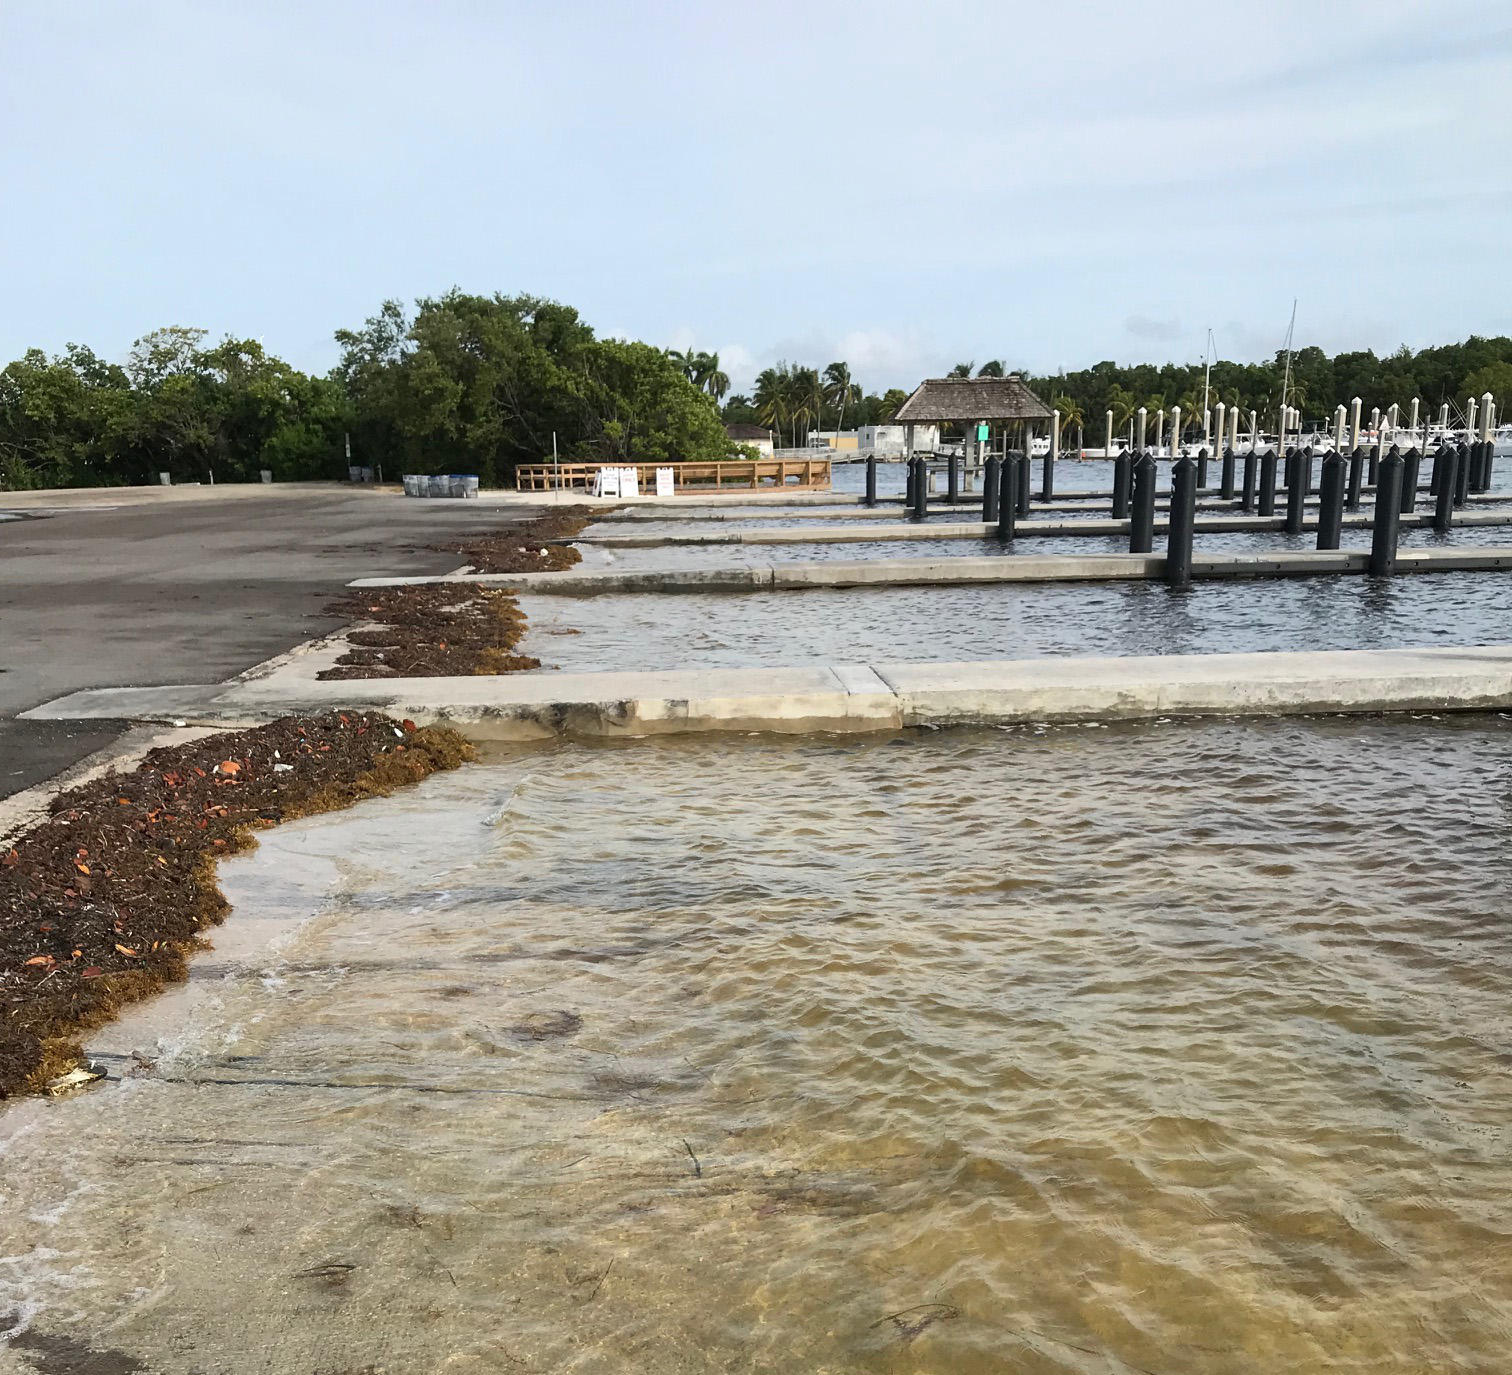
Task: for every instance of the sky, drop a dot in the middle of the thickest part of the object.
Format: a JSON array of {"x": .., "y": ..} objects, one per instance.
[{"x": 903, "y": 186}]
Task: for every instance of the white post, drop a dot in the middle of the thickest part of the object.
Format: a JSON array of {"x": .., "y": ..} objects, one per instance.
[
  {"x": 1254, "y": 430},
  {"x": 1339, "y": 428},
  {"x": 1207, "y": 430},
  {"x": 1175, "y": 433},
  {"x": 1412, "y": 420},
  {"x": 1218, "y": 410},
  {"x": 1139, "y": 442},
  {"x": 1234, "y": 429},
  {"x": 1159, "y": 430},
  {"x": 1054, "y": 438},
  {"x": 1375, "y": 420},
  {"x": 1487, "y": 402},
  {"x": 1444, "y": 416},
  {"x": 1108, "y": 443},
  {"x": 1354, "y": 423},
  {"x": 1470, "y": 412}
]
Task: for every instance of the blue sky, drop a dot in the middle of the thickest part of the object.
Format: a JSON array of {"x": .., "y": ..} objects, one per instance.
[{"x": 900, "y": 185}]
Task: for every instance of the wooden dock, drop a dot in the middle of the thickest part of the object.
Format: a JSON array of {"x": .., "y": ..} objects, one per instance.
[{"x": 797, "y": 474}]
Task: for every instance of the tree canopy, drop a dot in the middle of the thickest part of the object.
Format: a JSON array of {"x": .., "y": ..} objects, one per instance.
[
  {"x": 793, "y": 399},
  {"x": 478, "y": 384},
  {"x": 176, "y": 407}
]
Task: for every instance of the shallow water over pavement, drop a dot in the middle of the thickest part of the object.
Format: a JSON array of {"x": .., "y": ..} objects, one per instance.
[
  {"x": 1015, "y": 621},
  {"x": 1173, "y": 1048}
]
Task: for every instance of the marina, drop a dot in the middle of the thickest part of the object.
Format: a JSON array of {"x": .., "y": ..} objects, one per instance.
[{"x": 640, "y": 736}]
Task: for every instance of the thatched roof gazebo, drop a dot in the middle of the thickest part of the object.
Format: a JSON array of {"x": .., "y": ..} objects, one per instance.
[
  {"x": 965, "y": 399},
  {"x": 971, "y": 402}
]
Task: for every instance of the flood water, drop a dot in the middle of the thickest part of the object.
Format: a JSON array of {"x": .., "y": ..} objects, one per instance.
[
  {"x": 1014, "y": 621},
  {"x": 1165, "y": 1048},
  {"x": 682, "y": 556}
]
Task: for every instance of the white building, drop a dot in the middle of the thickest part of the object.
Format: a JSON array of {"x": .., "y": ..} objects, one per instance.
[
  {"x": 758, "y": 438},
  {"x": 891, "y": 439}
]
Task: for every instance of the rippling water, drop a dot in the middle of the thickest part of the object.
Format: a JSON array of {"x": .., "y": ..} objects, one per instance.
[
  {"x": 678, "y": 556},
  {"x": 1015, "y": 621},
  {"x": 1172, "y": 1048}
]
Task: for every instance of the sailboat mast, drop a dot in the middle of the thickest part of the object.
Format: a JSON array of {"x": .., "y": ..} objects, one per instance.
[
  {"x": 1207, "y": 373},
  {"x": 1286, "y": 378}
]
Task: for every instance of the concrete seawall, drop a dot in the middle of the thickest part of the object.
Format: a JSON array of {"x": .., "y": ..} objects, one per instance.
[
  {"x": 961, "y": 571},
  {"x": 977, "y": 530},
  {"x": 854, "y": 697}
]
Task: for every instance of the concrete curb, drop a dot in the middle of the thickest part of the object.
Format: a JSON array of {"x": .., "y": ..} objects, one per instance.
[
  {"x": 977, "y": 530},
  {"x": 948, "y": 571},
  {"x": 856, "y": 697}
]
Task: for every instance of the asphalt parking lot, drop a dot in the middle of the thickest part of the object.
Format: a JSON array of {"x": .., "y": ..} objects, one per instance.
[{"x": 102, "y": 588}]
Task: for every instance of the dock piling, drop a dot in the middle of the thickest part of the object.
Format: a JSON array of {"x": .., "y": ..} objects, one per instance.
[
  {"x": 1331, "y": 500},
  {"x": 1297, "y": 468},
  {"x": 1251, "y": 478},
  {"x": 1142, "y": 508},
  {"x": 1356, "y": 478},
  {"x": 1184, "y": 483},
  {"x": 1226, "y": 475},
  {"x": 990, "y": 489},
  {"x": 1007, "y": 512},
  {"x": 1461, "y": 474},
  {"x": 1444, "y": 462},
  {"x": 871, "y": 479},
  {"x": 1388, "y": 515},
  {"x": 1412, "y": 462},
  {"x": 920, "y": 490},
  {"x": 1122, "y": 480},
  {"x": 1267, "y": 503}
]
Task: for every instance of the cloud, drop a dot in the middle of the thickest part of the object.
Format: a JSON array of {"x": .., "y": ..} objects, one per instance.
[{"x": 1151, "y": 327}]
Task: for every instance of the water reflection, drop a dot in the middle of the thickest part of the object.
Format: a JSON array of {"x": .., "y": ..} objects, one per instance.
[
  {"x": 1015, "y": 621},
  {"x": 1171, "y": 1049}
]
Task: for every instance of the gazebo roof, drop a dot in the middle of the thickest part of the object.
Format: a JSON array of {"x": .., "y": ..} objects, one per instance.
[{"x": 971, "y": 398}]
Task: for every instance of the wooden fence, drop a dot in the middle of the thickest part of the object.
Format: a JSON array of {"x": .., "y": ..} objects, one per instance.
[{"x": 811, "y": 474}]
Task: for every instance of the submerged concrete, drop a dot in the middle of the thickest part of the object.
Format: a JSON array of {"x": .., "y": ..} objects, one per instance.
[
  {"x": 976, "y": 530},
  {"x": 1007, "y": 568},
  {"x": 855, "y": 697}
]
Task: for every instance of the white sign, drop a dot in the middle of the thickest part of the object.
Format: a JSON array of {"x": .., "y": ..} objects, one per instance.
[
  {"x": 629, "y": 482},
  {"x": 663, "y": 482},
  {"x": 606, "y": 482}
]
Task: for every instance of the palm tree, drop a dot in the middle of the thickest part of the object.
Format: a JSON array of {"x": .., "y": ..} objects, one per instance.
[
  {"x": 1123, "y": 405},
  {"x": 1071, "y": 416},
  {"x": 994, "y": 368},
  {"x": 771, "y": 397},
  {"x": 707, "y": 376},
  {"x": 839, "y": 390},
  {"x": 960, "y": 370}
]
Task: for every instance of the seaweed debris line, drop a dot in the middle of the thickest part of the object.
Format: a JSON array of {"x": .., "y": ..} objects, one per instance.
[
  {"x": 431, "y": 630},
  {"x": 537, "y": 545},
  {"x": 438, "y": 630},
  {"x": 103, "y": 902}
]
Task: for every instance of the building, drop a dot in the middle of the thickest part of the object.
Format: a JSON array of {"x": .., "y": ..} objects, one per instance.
[
  {"x": 833, "y": 439},
  {"x": 892, "y": 439},
  {"x": 994, "y": 408},
  {"x": 758, "y": 438}
]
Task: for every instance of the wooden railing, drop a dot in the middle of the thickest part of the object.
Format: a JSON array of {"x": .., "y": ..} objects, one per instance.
[{"x": 742, "y": 475}]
